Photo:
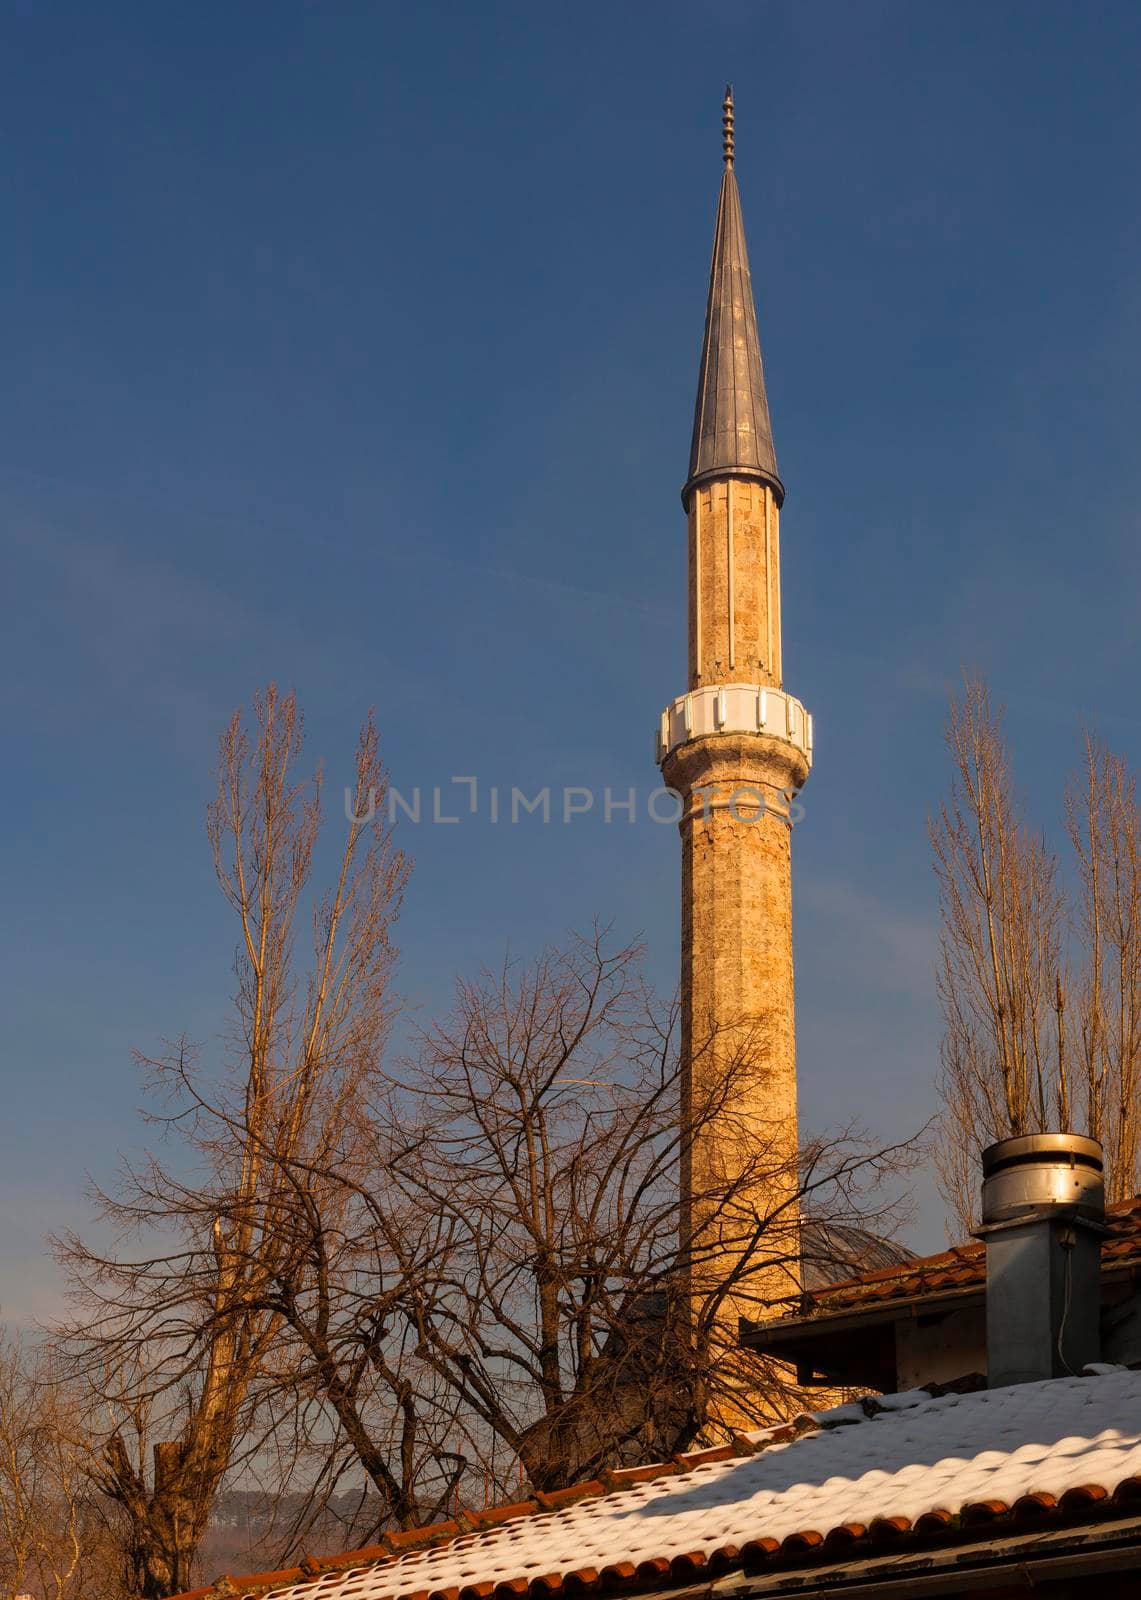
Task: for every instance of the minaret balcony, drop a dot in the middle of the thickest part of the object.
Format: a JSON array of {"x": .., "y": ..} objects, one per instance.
[{"x": 735, "y": 708}]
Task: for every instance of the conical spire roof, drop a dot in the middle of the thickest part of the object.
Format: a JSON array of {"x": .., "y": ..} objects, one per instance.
[{"x": 732, "y": 433}]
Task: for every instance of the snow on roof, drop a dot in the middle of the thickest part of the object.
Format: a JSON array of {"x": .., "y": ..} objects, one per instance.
[{"x": 905, "y": 1460}]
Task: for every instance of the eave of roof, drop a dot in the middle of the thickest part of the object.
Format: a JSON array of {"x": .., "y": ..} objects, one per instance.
[
  {"x": 1088, "y": 1550},
  {"x": 784, "y": 1330}
]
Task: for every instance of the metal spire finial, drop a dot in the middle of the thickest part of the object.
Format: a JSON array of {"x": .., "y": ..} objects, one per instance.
[{"x": 727, "y": 126}]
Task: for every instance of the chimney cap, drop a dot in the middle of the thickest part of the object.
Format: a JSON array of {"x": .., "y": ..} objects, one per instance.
[
  {"x": 1037, "y": 1173},
  {"x": 1045, "y": 1148}
]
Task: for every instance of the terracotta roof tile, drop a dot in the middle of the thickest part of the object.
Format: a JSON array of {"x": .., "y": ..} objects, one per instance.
[
  {"x": 555, "y": 1499},
  {"x": 496, "y": 1514},
  {"x": 961, "y": 1267}
]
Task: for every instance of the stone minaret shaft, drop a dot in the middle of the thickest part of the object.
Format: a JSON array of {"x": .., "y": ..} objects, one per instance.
[{"x": 736, "y": 747}]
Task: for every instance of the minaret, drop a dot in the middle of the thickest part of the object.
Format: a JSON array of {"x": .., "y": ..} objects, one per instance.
[{"x": 737, "y": 748}]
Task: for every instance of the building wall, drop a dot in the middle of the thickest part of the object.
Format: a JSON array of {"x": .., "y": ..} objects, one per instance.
[{"x": 939, "y": 1348}]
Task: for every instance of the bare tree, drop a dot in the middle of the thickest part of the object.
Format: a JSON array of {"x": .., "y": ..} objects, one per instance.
[
  {"x": 54, "y": 1540},
  {"x": 555, "y": 1142},
  {"x": 483, "y": 1282},
  {"x": 1105, "y": 832},
  {"x": 1041, "y": 1002},
  {"x": 176, "y": 1337},
  {"x": 1001, "y": 975},
  {"x": 490, "y": 1281}
]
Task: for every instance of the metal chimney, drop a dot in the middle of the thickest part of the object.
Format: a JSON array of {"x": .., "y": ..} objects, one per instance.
[
  {"x": 1044, "y": 1210},
  {"x": 1043, "y": 1218}
]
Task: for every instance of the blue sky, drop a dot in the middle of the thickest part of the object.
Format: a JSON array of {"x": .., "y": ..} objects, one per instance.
[{"x": 355, "y": 345}]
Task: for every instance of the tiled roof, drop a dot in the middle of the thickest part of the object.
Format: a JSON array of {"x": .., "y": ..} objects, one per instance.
[
  {"x": 963, "y": 1268},
  {"x": 823, "y": 1488}
]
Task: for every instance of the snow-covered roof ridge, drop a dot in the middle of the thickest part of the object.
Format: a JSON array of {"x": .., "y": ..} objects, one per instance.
[{"x": 916, "y": 1461}]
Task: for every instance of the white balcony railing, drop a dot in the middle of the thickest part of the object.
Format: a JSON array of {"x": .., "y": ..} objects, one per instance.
[{"x": 734, "y": 708}]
